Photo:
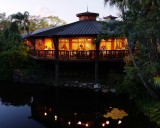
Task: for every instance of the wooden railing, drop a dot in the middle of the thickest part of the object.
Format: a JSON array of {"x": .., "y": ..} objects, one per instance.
[
  {"x": 76, "y": 55},
  {"x": 43, "y": 53},
  {"x": 111, "y": 54},
  {"x": 85, "y": 54}
]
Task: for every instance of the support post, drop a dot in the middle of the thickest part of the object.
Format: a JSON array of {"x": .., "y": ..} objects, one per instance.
[
  {"x": 96, "y": 62},
  {"x": 56, "y": 43},
  {"x": 96, "y": 72},
  {"x": 56, "y": 72}
]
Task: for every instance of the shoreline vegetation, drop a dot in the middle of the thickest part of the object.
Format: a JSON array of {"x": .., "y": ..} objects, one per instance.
[{"x": 150, "y": 108}]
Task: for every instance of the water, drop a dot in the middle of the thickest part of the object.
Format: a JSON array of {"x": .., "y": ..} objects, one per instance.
[{"x": 35, "y": 106}]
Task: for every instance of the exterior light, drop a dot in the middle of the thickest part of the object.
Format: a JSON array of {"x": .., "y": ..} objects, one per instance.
[
  {"x": 119, "y": 122},
  {"x": 45, "y": 113},
  {"x": 107, "y": 122},
  {"x": 69, "y": 123},
  {"x": 103, "y": 124},
  {"x": 79, "y": 122},
  {"x": 87, "y": 125},
  {"x": 55, "y": 117}
]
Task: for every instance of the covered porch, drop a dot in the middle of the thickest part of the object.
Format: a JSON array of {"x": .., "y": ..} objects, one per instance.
[
  {"x": 82, "y": 48},
  {"x": 79, "y": 55}
]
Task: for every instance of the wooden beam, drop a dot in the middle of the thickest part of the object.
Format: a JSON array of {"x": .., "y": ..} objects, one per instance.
[
  {"x": 96, "y": 72},
  {"x": 56, "y": 72},
  {"x": 56, "y": 42}
]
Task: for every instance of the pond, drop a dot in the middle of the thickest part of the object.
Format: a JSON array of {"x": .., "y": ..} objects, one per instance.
[{"x": 38, "y": 106}]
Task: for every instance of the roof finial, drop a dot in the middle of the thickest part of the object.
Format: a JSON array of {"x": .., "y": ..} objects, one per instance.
[{"x": 87, "y": 8}]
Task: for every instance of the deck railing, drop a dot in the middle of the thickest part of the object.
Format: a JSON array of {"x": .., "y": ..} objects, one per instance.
[
  {"x": 42, "y": 53},
  {"x": 76, "y": 55},
  {"x": 85, "y": 54}
]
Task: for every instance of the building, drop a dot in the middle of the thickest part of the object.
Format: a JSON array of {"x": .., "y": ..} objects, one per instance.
[{"x": 74, "y": 42}]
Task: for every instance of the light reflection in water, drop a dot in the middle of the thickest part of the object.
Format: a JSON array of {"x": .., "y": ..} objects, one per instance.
[
  {"x": 68, "y": 108},
  {"x": 62, "y": 113}
]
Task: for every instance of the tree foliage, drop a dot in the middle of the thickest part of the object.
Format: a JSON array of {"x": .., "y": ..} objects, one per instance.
[
  {"x": 37, "y": 22},
  {"x": 29, "y": 23},
  {"x": 140, "y": 25},
  {"x": 22, "y": 20},
  {"x": 13, "y": 53},
  {"x": 3, "y": 22}
]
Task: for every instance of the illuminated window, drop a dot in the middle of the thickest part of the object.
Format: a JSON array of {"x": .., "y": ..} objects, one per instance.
[
  {"x": 39, "y": 45},
  {"x": 116, "y": 44},
  {"x": 105, "y": 45},
  {"x": 82, "y": 44},
  {"x": 120, "y": 44},
  {"x": 64, "y": 44},
  {"x": 29, "y": 44},
  {"x": 45, "y": 44},
  {"x": 48, "y": 44}
]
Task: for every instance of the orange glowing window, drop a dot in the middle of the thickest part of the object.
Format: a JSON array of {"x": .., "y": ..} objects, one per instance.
[
  {"x": 106, "y": 44},
  {"x": 120, "y": 44},
  {"x": 82, "y": 44},
  {"x": 64, "y": 44},
  {"x": 116, "y": 44},
  {"x": 48, "y": 44},
  {"x": 39, "y": 45}
]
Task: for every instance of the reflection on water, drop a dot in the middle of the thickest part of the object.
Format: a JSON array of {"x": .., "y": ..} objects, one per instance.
[{"x": 67, "y": 108}]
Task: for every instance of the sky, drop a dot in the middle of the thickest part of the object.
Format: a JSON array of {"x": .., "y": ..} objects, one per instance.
[{"x": 65, "y": 9}]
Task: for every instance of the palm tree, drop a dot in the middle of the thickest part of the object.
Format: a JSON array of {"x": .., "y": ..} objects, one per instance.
[{"x": 22, "y": 20}]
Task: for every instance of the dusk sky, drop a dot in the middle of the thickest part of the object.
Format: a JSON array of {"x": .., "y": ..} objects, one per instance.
[{"x": 64, "y": 9}]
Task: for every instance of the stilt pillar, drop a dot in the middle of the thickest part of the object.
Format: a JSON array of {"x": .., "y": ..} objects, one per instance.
[
  {"x": 96, "y": 72},
  {"x": 56, "y": 72}
]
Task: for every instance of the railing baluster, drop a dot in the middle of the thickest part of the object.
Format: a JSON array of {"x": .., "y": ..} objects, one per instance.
[{"x": 86, "y": 54}]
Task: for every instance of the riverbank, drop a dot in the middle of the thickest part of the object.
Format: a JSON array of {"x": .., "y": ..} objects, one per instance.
[{"x": 150, "y": 108}]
